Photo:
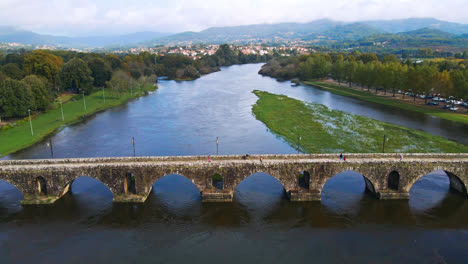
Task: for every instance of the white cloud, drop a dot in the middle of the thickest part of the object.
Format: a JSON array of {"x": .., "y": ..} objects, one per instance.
[{"x": 78, "y": 17}]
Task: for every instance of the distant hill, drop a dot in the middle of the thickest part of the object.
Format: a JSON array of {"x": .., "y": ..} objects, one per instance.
[
  {"x": 320, "y": 32},
  {"x": 424, "y": 37},
  {"x": 323, "y": 30},
  {"x": 10, "y": 34},
  {"x": 410, "y": 24}
]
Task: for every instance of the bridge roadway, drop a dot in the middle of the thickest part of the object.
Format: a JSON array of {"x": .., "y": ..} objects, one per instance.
[{"x": 303, "y": 176}]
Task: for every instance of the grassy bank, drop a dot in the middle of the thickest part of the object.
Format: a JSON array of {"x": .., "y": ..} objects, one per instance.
[
  {"x": 329, "y": 131},
  {"x": 19, "y": 137},
  {"x": 367, "y": 96}
]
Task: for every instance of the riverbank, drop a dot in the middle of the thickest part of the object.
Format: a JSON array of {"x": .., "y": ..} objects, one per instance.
[
  {"x": 329, "y": 131},
  {"x": 47, "y": 123},
  {"x": 371, "y": 97}
]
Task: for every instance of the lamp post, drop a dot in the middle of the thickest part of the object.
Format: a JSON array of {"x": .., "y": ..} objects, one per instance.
[
  {"x": 30, "y": 122},
  {"x": 298, "y": 143},
  {"x": 217, "y": 142},
  {"x": 383, "y": 145},
  {"x": 84, "y": 102},
  {"x": 103, "y": 95},
  {"x": 61, "y": 109}
]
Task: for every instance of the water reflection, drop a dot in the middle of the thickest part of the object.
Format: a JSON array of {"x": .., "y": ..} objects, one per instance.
[
  {"x": 10, "y": 199},
  {"x": 177, "y": 195},
  {"x": 259, "y": 193},
  {"x": 343, "y": 193}
]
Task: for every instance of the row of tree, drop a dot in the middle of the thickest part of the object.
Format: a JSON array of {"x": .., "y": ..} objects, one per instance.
[{"x": 448, "y": 77}]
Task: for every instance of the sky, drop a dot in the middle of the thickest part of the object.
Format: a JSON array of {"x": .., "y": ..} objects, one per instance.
[{"x": 113, "y": 17}]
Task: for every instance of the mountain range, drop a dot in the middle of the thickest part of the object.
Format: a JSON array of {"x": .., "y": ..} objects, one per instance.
[{"x": 318, "y": 31}]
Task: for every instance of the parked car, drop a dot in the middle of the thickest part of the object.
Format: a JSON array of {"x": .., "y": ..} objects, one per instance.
[
  {"x": 465, "y": 104},
  {"x": 442, "y": 99},
  {"x": 430, "y": 97},
  {"x": 435, "y": 99},
  {"x": 457, "y": 102},
  {"x": 447, "y": 106},
  {"x": 453, "y": 108},
  {"x": 432, "y": 103},
  {"x": 422, "y": 96}
]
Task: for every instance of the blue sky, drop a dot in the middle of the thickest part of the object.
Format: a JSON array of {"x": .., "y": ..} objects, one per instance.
[{"x": 98, "y": 17}]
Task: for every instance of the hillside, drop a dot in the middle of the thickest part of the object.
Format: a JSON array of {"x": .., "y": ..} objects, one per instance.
[{"x": 10, "y": 34}]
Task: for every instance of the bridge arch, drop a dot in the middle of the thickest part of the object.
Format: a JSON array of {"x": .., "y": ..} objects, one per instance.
[
  {"x": 303, "y": 179},
  {"x": 271, "y": 175},
  {"x": 41, "y": 185},
  {"x": 393, "y": 180},
  {"x": 169, "y": 175},
  {"x": 68, "y": 186},
  {"x": 456, "y": 184},
  {"x": 369, "y": 185},
  {"x": 10, "y": 185}
]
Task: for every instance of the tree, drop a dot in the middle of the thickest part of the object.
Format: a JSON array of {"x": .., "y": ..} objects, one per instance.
[
  {"x": 113, "y": 61},
  {"x": 100, "y": 71},
  {"x": 75, "y": 75},
  {"x": 338, "y": 71},
  {"x": 43, "y": 64},
  {"x": 460, "y": 83},
  {"x": 390, "y": 59},
  {"x": 41, "y": 97},
  {"x": 13, "y": 71},
  {"x": 15, "y": 98},
  {"x": 315, "y": 67},
  {"x": 367, "y": 57},
  {"x": 350, "y": 71}
]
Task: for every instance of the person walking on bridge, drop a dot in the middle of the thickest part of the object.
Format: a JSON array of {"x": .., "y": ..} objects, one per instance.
[{"x": 341, "y": 156}]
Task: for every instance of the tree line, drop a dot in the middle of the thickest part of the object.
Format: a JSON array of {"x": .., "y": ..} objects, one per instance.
[
  {"x": 447, "y": 77},
  {"x": 33, "y": 79}
]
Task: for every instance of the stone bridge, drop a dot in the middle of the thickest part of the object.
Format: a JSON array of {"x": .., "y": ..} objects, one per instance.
[{"x": 302, "y": 176}]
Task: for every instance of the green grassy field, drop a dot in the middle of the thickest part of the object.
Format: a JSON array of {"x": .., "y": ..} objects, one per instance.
[
  {"x": 367, "y": 96},
  {"x": 19, "y": 137},
  {"x": 329, "y": 131}
]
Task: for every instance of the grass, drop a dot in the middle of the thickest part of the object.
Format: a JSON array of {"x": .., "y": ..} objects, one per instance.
[
  {"x": 329, "y": 131},
  {"x": 367, "y": 96},
  {"x": 45, "y": 124}
]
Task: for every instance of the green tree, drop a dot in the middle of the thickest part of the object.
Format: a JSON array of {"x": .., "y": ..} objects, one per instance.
[
  {"x": 43, "y": 64},
  {"x": 338, "y": 71},
  {"x": 41, "y": 97},
  {"x": 100, "y": 71},
  {"x": 75, "y": 75},
  {"x": 13, "y": 71},
  {"x": 15, "y": 98}
]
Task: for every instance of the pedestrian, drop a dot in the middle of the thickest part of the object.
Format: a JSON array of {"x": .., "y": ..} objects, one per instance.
[
  {"x": 261, "y": 159},
  {"x": 401, "y": 157},
  {"x": 344, "y": 158},
  {"x": 209, "y": 160},
  {"x": 341, "y": 156}
]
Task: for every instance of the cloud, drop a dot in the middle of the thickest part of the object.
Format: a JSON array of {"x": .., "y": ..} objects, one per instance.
[{"x": 82, "y": 17}]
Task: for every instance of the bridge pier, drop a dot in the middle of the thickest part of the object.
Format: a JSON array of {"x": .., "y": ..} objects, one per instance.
[
  {"x": 393, "y": 195},
  {"x": 39, "y": 199},
  {"x": 216, "y": 195},
  {"x": 303, "y": 195}
]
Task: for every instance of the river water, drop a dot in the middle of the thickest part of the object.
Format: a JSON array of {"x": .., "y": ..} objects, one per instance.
[{"x": 173, "y": 226}]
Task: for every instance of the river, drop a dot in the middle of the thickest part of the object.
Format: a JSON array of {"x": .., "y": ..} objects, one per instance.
[{"x": 173, "y": 226}]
